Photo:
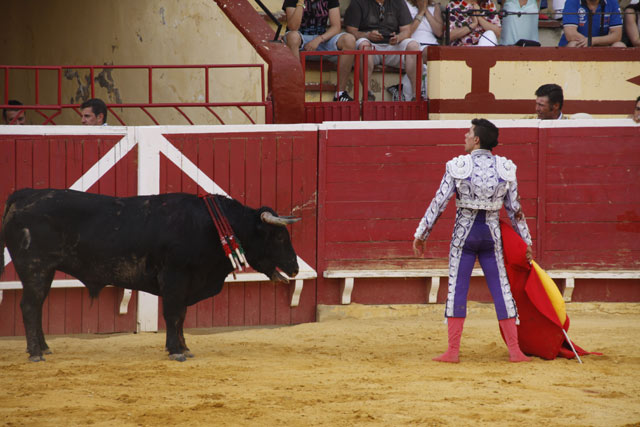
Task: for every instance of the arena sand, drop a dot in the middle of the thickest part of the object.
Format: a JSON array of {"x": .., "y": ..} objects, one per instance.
[{"x": 359, "y": 366}]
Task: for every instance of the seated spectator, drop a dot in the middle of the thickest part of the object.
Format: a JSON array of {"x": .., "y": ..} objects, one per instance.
[
  {"x": 469, "y": 25},
  {"x": 94, "y": 112},
  {"x": 14, "y": 116},
  {"x": 631, "y": 34},
  {"x": 519, "y": 27},
  {"x": 307, "y": 30},
  {"x": 382, "y": 25},
  {"x": 606, "y": 25},
  {"x": 425, "y": 28},
  {"x": 636, "y": 112}
]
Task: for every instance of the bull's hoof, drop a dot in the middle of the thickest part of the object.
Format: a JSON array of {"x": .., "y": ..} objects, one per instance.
[
  {"x": 188, "y": 353},
  {"x": 178, "y": 357},
  {"x": 36, "y": 359}
]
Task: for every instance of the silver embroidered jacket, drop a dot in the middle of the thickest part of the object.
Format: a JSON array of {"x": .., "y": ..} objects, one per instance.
[{"x": 481, "y": 181}]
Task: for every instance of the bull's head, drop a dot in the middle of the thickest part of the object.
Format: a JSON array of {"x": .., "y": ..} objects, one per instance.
[{"x": 270, "y": 250}]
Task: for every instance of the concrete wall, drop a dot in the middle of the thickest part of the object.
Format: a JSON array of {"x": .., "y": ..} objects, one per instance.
[{"x": 121, "y": 32}]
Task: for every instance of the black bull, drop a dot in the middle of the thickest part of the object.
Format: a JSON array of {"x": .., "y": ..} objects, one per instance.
[{"x": 166, "y": 245}]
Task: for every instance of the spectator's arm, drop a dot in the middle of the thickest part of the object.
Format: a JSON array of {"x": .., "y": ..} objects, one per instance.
[
  {"x": 404, "y": 33},
  {"x": 357, "y": 33},
  {"x": 456, "y": 33},
  {"x": 435, "y": 20},
  {"x": 615, "y": 35},
  {"x": 572, "y": 35},
  {"x": 489, "y": 26},
  {"x": 631, "y": 28},
  {"x": 334, "y": 28},
  {"x": 294, "y": 16},
  {"x": 422, "y": 12}
]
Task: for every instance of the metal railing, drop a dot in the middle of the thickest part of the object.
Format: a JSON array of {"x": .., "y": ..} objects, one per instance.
[
  {"x": 50, "y": 111},
  {"x": 360, "y": 61}
]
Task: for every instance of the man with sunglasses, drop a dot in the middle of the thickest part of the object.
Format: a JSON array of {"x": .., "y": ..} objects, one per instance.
[{"x": 383, "y": 25}]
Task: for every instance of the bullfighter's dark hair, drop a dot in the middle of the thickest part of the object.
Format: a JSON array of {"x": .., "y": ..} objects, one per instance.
[
  {"x": 487, "y": 132},
  {"x": 553, "y": 92},
  {"x": 97, "y": 106}
]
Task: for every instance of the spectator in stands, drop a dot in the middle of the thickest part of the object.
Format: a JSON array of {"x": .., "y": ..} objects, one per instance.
[
  {"x": 473, "y": 23},
  {"x": 14, "y": 116},
  {"x": 482, "y": 183},
  {"x": 636, "y": 112},
  {"x": 549, "y": 100},
  {"x": 425, "y": 28},
  {"x": 631, "y": 35},
  {"x": 382, "y": 25},
  {"x": 94, "y": 112},
  {"x": 307, "y": 30},
  {"x": 518, "y": 29},
  {"x": 606, "y": 25}
]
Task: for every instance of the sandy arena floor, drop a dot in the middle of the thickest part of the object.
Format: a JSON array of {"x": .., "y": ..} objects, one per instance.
[{"x": 372, "y": 368}]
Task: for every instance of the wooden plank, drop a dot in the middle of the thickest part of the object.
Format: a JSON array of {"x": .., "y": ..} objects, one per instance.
[
  {"x": 90, "y": 313},
  {"x": 107, "y": 310},
  {"x": 9, "y": 313},
  {"x": 221, "y": 177},
  {"x": 237, "y": 191},
  {"x": 57, "y": 311},
  {"x": 284, "y": 175},
  {"x": 624, "y": 192},
  {"x": 405, "y": 291},
  {"x": 204, "y": 313},
  {"x": 73, "y": 310},
  {"x": 268, "y": 198},
  {"x": 252, "y": 153},
  {"x": 7, "y": 186},
  {"x": 426, "y": 155},
  {"x": 126, "y": 322},
  {"x": 622, "y": 214},
  {"x": 579, "y": 174}
]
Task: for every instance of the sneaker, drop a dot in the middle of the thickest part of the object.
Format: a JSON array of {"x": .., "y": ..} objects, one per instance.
[
  {"x": 395, "y": 92},
  {"x": 344, "y": 97},
  {"x": 371, "y": 96}
]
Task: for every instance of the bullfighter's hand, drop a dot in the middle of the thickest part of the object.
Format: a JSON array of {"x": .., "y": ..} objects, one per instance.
[{"x": 418, "y": 247}]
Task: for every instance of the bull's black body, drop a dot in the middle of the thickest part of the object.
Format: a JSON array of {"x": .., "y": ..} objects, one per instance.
[{"x": 165, "y": 245}]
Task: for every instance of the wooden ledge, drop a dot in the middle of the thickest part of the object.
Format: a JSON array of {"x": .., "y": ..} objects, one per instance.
[{"x": 348, "y": 277}]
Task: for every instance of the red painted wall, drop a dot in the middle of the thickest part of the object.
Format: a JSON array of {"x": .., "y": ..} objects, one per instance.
[
  {"x": 360, "y": 193},
  {"x": 576, "y": 184},
  {"x": 58, "y": 161}
]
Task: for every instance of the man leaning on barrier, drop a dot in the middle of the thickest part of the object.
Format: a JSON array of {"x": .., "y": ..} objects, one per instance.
[
  {"x": 606, "y": 23},
  {"x": 14, "y": 116},
  {"x": 307, "y": 30},
  {"x": 93, "y": 112}
]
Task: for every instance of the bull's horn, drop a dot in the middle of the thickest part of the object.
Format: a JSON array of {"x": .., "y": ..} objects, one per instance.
[{"x": 269, "y": 218}]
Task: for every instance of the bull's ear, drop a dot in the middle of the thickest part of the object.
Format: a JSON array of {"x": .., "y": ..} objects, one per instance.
[{"x": 281, "y": 221}]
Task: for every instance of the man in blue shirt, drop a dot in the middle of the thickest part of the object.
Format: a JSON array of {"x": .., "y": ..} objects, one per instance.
[{"x": 606, "y": 23}]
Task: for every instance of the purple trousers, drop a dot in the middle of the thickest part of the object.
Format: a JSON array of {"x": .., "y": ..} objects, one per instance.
[{"x": 477, "y": 234}]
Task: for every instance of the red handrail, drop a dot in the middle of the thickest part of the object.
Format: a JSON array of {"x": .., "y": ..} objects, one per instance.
[{"x": 208, "y": 105}]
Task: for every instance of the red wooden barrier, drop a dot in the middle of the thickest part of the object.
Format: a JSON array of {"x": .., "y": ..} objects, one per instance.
[{"x": 576, "y": 184}]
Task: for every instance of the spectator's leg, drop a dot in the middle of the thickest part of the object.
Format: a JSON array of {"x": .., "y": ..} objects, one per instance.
[
  {"x": 345, "y": 62},
  {"x": 410, "y": 65},
  {"x": 364, "y": 44},
  {"x": 293, "y": 40}
]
